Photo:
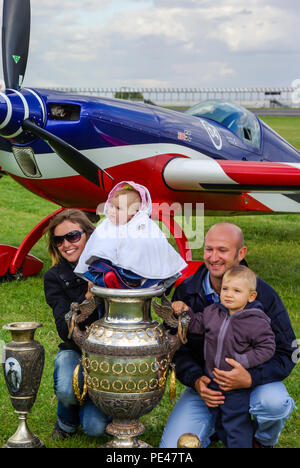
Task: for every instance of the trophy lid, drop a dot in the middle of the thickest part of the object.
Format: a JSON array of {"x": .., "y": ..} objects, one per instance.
[
  {"x": 22, "y": 326},
  {"x": 128, "y": 293}
]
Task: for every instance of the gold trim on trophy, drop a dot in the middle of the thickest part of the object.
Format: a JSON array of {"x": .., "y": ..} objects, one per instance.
[{"x": 80, "y": 397}]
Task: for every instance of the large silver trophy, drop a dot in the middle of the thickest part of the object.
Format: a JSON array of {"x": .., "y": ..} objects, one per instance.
[
  {"x": 126, "y": 358},
  {"x": 23, "y": 367}
]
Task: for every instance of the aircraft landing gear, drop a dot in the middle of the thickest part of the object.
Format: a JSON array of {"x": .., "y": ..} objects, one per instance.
[{"x": 16, "y": 263}]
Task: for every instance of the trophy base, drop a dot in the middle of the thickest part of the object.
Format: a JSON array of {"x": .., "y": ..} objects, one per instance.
[
  {"x": 125, "y": 435},
  {"x": 23, "y": 438},
  {"x": 132, "y": 443},
  {"x": 35, "y": 443}
]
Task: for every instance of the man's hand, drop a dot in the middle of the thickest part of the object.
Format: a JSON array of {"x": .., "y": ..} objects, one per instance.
[
  {"x": 179, "y": 307},
  {"x": 235, "y": 379},
  {"x": 212, "y": 398}
]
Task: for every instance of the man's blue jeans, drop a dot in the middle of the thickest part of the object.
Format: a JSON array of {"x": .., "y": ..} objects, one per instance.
[
  {"x": 270, "y": 405},
  {"x": 69, "y": 414}
]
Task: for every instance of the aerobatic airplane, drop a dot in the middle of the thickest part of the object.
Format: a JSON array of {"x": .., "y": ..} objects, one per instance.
[{"x": 72, "y": 149}]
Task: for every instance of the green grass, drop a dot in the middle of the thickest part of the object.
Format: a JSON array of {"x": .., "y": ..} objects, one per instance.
[
  {"x": 287, "y": 127},
  {"x": 273, "y": 252}
]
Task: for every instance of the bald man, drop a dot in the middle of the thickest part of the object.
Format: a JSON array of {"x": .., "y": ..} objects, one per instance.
[{"x": 270, "y": 403}]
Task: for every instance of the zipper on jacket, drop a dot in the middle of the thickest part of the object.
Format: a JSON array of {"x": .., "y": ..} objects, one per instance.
[{"x": 221, "y": 337}]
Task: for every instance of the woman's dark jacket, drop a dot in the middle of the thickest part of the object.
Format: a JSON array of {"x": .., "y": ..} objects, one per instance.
[
  {"x": 189, "y": 359},
  {"x": 62, "y": 287}
]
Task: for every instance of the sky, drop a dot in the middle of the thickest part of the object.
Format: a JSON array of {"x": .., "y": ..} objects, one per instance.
[{"x": 164, "y": 43}]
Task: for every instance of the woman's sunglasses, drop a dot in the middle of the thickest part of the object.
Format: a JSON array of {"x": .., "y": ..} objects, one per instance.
[{"x": 72, "y": 237}]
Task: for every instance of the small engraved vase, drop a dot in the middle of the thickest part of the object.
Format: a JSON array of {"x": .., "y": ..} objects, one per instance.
[{"x": 23, "y": 367}]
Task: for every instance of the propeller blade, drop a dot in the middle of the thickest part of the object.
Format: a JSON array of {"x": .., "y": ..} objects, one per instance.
[
  {"x": 72, "y": 157},
  {"x": 15, "y": 41}
]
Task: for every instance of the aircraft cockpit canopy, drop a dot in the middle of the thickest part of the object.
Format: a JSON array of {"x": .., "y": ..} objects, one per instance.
[{"x": 236, "y": 118}]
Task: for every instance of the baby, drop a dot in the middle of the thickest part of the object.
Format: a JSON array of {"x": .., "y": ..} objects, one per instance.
[
  {"x": 128, "y": 249},
  {"x": 123, "y": 205},
  {"x": 239, "y": 329}
]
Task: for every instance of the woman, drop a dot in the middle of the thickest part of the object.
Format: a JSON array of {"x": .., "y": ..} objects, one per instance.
[{"x": 67, "y": 235}]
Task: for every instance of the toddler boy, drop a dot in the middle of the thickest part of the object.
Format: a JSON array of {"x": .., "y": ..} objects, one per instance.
[{"x": 239, "y": 329}]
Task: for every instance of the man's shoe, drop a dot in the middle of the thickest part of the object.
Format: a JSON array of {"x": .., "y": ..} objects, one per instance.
[
  {"x": 257, "y": 444},
  {"x": 59, "y": 433}
]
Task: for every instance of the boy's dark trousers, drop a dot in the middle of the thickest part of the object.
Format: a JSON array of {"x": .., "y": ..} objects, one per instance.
[{"x": 233, "y": 420}]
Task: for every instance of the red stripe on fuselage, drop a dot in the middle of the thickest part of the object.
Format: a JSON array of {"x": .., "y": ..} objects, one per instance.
[
  {"x": 261, "y": 173},
  {"x": 76, "y": 191}
]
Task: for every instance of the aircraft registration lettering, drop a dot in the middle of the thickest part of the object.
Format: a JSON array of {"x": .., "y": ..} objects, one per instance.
[{"x": 213, "y": 134}]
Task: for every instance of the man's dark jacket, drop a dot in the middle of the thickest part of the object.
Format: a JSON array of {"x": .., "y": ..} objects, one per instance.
[
  {"x": 62, "y": 287},
  {"x": 189, "y": 358}
]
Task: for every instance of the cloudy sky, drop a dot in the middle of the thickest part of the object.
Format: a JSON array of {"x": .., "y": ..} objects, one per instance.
[{"x": 164, "y": 43}]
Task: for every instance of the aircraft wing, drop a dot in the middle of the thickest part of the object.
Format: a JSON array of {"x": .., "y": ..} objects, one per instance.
[{"x": 275, "y": 185}]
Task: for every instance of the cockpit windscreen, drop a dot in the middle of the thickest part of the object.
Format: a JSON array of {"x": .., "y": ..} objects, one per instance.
[{"x": 239, "y": 120}]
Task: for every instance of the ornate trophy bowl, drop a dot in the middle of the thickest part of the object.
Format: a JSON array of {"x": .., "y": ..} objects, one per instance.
[
  {"x": 126, "y": 359},
  {"x": 23, "y": 367}
]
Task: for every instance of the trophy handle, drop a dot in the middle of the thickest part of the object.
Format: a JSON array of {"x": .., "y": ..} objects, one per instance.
[
  {"x": 165, "y": 311},
  {"x": 71, "y": 325},
  {"x": 183, "y": 325},
  {"x": 79, "y": 313},
  {"x": 77, "y": 335}
]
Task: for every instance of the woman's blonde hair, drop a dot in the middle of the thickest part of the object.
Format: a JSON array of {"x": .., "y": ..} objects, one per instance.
[{"x": 72, "y": 215}]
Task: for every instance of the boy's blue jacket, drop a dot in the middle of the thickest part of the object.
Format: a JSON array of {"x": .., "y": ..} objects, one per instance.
[{"x": 189, "y": 358}]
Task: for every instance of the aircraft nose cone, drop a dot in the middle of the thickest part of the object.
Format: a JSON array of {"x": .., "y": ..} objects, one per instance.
[
  {"x": 13, "y": 111},
  {"x": 15, "y": 108},
  {"x": 5, "y": 111}
]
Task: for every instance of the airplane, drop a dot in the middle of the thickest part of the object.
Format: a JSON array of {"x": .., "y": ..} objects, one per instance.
[{"x": 72, "y": 149}]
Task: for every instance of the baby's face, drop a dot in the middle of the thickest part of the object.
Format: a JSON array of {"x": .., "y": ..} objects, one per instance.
[
  {"x": 235, "y": 294},
  {"x": 122, "y": 208}
]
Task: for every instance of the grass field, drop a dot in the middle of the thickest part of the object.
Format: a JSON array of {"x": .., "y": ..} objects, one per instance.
[{"x": 273, "y": 252}]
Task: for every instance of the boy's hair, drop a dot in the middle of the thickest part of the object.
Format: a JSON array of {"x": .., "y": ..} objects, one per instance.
[{"x": 241, "y": 271}]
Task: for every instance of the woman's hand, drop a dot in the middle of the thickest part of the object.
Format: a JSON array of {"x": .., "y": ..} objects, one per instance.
[
  {"x": 179, "y": 307},
  {"x": 89, "y": 294}
]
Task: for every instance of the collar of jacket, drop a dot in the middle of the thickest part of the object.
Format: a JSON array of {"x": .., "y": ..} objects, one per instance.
[
  {"x": 66, "y": 271},
  {"x": 194, "y": 284},
  {"x": 250, "y": 305}
]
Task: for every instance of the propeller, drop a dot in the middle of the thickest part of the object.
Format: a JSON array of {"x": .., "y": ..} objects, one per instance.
[
  {"x": 15, "y": 41},
  {"x": 72, "y": 156},
  {"x": 15, "y": 46}
]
